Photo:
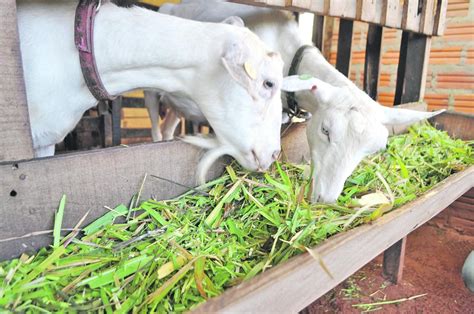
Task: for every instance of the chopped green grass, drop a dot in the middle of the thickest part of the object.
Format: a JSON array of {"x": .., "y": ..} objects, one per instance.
[{"x": 170, "y": 256}]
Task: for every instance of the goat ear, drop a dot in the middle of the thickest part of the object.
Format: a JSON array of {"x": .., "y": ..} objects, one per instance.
[
  {"x": 321, "y": 90},
  {"x": 234, "y": 20},
  {"x": 294, "y": 83},
  {"x": 391, "y": 116},
  {"x": 234, "y": 59}
]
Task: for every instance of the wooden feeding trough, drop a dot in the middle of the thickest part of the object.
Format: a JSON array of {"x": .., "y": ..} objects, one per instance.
[
  {"x": 30, "y": 189},
  {"x": 295, "y": 284}
]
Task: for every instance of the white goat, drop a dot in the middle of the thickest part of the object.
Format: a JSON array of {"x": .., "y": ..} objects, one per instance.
[
  {"x": 139, "y": 48},
  {"x": 346, "y": 123}
]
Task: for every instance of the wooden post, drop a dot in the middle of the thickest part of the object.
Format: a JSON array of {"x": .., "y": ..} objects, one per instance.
[
  {"x": 393, "y": 260},
  {"x": 318, "y": 31},
  {"x": 372, "y": 60},
  {"x": 412, "y": 66},
  {"x": 116, "y": 119},
  {"x": 411, "y": 77},
  {"x": 344, "y": 47},
  {"x": 15, "y": 132}
]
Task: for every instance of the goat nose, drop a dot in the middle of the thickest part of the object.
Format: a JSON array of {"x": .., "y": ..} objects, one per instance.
[
  {"x": 276, "y": 154},
  {"x": 257, "y": 161}
]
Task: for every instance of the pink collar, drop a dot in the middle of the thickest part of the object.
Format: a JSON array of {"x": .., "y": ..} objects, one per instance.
[{"x": 84, "y": 40}]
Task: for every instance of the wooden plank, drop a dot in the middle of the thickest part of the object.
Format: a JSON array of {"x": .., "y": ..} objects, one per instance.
[
  {"x": 392, "y": 13},
  {"x": 428, "y": 14},
  {"x": 141, "y": 133},
  {"x": 132, "y": 102},
  {"x": 458, "y": 125},
  {"x": 15, "y": 140},
  {"x": 393, "y": 261},
  {"x": 367, "y": 11},
  {"x": 318, "y": 32},
  {"x": 440, "y": 17},
  {"x": 320, "y": 7},
  {"x": 411, "y": 15},
  {"x": 30, "y": 190},
  {"x": 411, "y": 67},
  {"x": 303, "y": 4},
  {"x": 295, "y": 284},
  {"x": 90, "y": 180},
  {"x": 372, "y": 60},
  {"x": 344, "y": 46},
  {"x": 343, "y": 9}
]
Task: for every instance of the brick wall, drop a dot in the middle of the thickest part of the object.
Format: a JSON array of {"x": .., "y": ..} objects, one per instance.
[{"x": 450, "y": 78}]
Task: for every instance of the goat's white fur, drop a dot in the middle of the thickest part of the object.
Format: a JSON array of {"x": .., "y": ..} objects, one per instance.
[
  {"x": 354, "y": 120},
  {"x": 139, "y": 48}
]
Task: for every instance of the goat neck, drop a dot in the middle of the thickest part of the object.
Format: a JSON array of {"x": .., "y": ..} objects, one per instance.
[{"x": 135, "y": 49}]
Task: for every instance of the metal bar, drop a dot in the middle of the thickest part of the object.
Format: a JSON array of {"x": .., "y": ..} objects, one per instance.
[
  {"x": 116, "y": 119},
  {"x": 344, "y": 46},
  {"x": 318, "y": 31},
  {"x": 372, "y": 60},
  {"x": 411, "y": 67}
]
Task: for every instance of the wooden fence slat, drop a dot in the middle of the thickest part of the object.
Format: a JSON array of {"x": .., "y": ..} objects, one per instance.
[
  {"x": 392, "y": 13},
  {"x": 428, "y": 15},
  {"x": 303, "y": 4},
  {"x": 440, "y": 17},
  {"x": 320, "y": 7},
  {"x": 411, "y": 15},
  {"x": 344, "y": 46},
  {"x": 343, "y": 8},
  {"x": 15, "y": 133},
  {"x": 372, "y": 60},
  {"x": 367, "y": 11}
]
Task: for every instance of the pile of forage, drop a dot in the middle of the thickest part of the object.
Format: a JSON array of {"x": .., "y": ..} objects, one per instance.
[{"x": 170, "y": 256}]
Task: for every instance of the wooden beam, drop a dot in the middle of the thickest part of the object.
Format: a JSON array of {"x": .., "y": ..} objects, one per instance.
[
  {"x": 295, "y": 284},
  {"x": 372, "y": 60},
  {"x": 15, "y": 140},
  {"x": 344, "y": 46},
  {"x": 393, "y": 261},
  {"x": 412, "y": 67}
]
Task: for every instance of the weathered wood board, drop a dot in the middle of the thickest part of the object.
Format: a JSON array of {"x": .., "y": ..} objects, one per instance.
[
  {"x": 30, "y": 191},
  {"x": 15, "y": 133},
  {"x": 293, "y": 285}
]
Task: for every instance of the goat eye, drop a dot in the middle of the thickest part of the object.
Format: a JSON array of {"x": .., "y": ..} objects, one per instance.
[{"x": 268, "y": 84}]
